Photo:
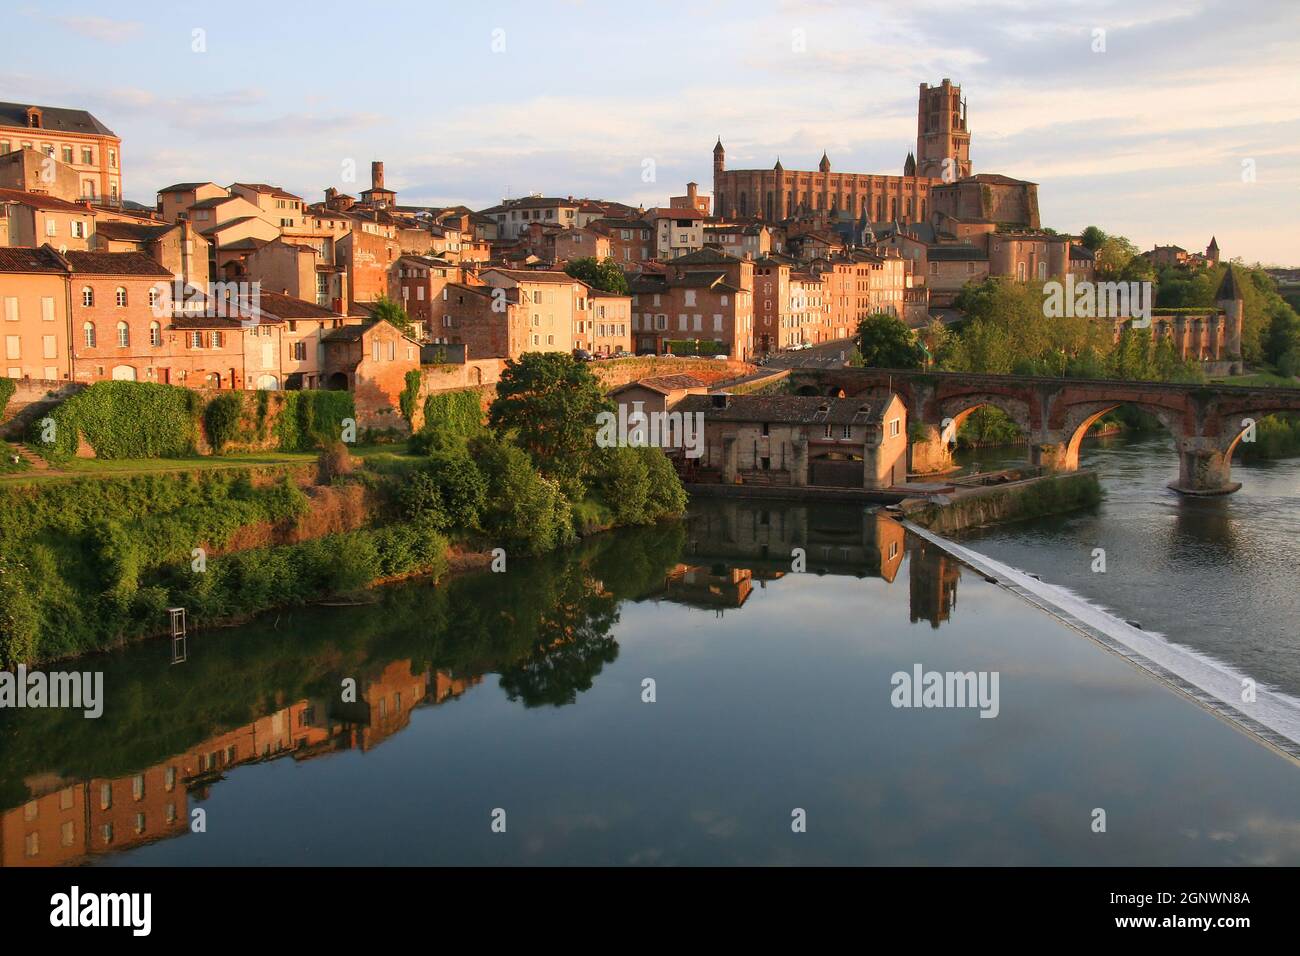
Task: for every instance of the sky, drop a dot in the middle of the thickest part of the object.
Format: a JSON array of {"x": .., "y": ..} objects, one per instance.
[{"x": 1180, "y": 121}]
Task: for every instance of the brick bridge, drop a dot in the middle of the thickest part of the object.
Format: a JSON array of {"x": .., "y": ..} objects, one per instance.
[{"x": 1206, "y": 421}]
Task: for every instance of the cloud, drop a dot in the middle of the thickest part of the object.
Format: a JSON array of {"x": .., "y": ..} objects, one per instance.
[{"x": 100, "y": 28}]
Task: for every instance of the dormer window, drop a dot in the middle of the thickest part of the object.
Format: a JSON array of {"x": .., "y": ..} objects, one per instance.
[{"x": 33, "y": 117}]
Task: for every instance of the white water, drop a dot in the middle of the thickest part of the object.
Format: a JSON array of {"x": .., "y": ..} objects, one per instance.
[{"x": 1274, "y": 710}]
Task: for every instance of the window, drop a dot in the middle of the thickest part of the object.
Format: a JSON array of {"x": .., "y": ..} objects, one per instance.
[
  {"x": 106, "y": 796},
  {"x": 153, "y": 297},
  {"x": 78, "y": 229},
  {"x": 50, "y": 348},
  {"x": 88, "y": 334},
  {"x": 112, "y": 158},
  {"x": 68, "y": 834},
  {"x": 51, "y": 227},
  {"x": 300, "y": 351},
  {"x": 846, "y": 432},
  {"x": 11, "y": 308},
  {"x": 33, "y": 844},
  {"x": 139, "y": 823},
  {"x": 106, "y": 833},
  {"x": 123, "y": 335},
  {"x": 374, "y": 350},
  {"x": 13, "y": 347},
  {"x": 87, "y": 296},
  {"x": 137, "y": 787},
  {"x": 196, "y": 340},
  {"x": 828, "y": 433},
  {"x": 155, "y": 334},
  {"x": 169, "y": 779},
  {"x": 120, "y": 297},
  {"x": 216, "y": 340},
  {"x": 895, "y": 426},
  {"x": 392, "y": 351}
]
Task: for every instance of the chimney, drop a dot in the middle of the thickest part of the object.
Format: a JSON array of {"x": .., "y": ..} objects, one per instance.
[
  {"x": 330, "y": 194},
  {"x": 721, "y": 399},
  {"x": 377, "y": 175},
  {"x": 692, "y": 190}
]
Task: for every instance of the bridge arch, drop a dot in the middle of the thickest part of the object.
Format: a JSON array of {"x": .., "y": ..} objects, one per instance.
[
  {"x": 955, "y": 409},
  {"x": 1082, "y": 416}
]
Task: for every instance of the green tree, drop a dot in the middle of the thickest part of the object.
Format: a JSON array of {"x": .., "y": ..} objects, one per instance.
[
  {"x": 604, "y": 275},
  {"x": 392, "y": 311},
  {"x": 549, "y": 402},
  {"x": 885, "y": 342},
  {"x": 1092, "y": 238},
  {"x": 1113, "y": 256}
]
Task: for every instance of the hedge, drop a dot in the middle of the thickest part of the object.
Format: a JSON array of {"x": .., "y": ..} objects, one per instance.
[
  {"x": 7, "y": 388},
  {"x": 221, "y": 419},
  {"x": 122, "y": 420},
  {"x": 694, "y": 347},
  {"x": 313, "y": 419},
  {"x": 453, "y": 413}
]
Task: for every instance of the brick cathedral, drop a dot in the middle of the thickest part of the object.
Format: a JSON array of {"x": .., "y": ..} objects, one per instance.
[{"x": 942, "y": 155}]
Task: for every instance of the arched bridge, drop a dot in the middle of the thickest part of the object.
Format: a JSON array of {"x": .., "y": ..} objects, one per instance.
[{"x": 1206, "y": 421}]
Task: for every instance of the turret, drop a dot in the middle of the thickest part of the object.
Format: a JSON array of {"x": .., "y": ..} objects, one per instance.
[
  {"x": 1229, "y": 299},
  {"x": 825, "y": 164}
]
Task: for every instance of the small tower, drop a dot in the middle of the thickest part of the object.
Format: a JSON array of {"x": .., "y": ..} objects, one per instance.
[
  {"x": 941, "y": 132},
  {"x": 720, "y": 197},
  {"x": 909, "y": 167},
  {"x": 1212, "y": 252},
  {"x": 825, "y": 164},
  {"x": 1229, "y": 299}
]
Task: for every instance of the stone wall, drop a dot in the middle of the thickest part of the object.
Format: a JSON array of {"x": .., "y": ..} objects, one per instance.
[{"x": 32, "y": 398}]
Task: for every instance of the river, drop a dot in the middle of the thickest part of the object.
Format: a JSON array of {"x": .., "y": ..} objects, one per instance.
[{"x": 510, "y": 718}]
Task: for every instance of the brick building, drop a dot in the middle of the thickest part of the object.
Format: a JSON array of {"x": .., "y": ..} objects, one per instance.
[{"x": 74, "y": 138}]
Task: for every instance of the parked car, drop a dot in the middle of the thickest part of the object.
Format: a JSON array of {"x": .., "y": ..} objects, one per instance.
[
  {"x": 722, "y": 358},
  {"x": 582, "y": 355}
]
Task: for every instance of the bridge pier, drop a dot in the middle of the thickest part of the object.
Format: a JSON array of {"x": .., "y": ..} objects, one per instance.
[
  {"x": 1052, "y": 454},
  {"x": 931, "y": 454},
  {"x": 1203, "y": 471}
]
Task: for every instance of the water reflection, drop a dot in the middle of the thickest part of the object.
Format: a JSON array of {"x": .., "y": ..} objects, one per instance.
[{"x": 74, "y": 790}]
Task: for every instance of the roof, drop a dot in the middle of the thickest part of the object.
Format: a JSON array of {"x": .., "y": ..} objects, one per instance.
[
  {"x": 956, "y": 253},
  {"x": 1078, "y": 251},
  {"x": 280, "y": 306},
  {"x": 54, "y": 118},
  {"x": 215, "y": 201},
  {"x": 184, "y": 187},
  {"x": 132, "y": 231},
  {"x": 355, "y": 333},
  {"x": 267, "y": 190},
  {"x": 706, "y": 257},
  {"x": 536, "y": 275},
  {"x": 40, "y": 201},
  {"x": 789, "y": 409},
  {"x": 994, "y": 179},
  {"x": 116, "y": 264},
  {"x": 663, "y": 384},
  {"x": 19, "y": 259},
  {"x": 1228, "y": 288}
]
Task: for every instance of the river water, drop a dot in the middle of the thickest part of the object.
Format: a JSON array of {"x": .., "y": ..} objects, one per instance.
[{"x": 506, "y": 718}]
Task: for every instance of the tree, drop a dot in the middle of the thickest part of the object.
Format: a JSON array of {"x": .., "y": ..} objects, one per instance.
[
  {"x": 603, "y": 275},
  {"x": 885, "y": 342},
  {"x": 1113, "y": 255},
  {"x": 391, "y": 311},
  {"x": 1092, "y": 238},
  {"x": 549, "y": 403}
]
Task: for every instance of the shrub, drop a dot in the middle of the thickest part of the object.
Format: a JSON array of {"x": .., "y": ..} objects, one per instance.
[
  {"x": 313, "y": 419},
  {"x": 221, "y": 419},
  {"x": 455, "y": 413},
  {"x": 523, "y": 508},
  {"x": 7, "y": 388},
  {"x": 410, "y": 394},
  {"x": 334, "y": 461}
]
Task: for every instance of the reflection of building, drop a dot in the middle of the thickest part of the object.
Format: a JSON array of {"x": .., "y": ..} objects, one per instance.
[
  {"x": 933, "y": 576},
  {"x": 72, "y": 822},
  {"x": 711, "y": 587},
  {"x": 836, "y": 540}
]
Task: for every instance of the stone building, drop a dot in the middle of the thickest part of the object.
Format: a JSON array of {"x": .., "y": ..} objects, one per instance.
[
  {"x": 72, "y": 137},
  {"x": 802, "y": 440}
]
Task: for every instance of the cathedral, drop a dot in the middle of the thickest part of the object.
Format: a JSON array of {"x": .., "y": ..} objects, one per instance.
[{"x": 942, "y": 156}]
